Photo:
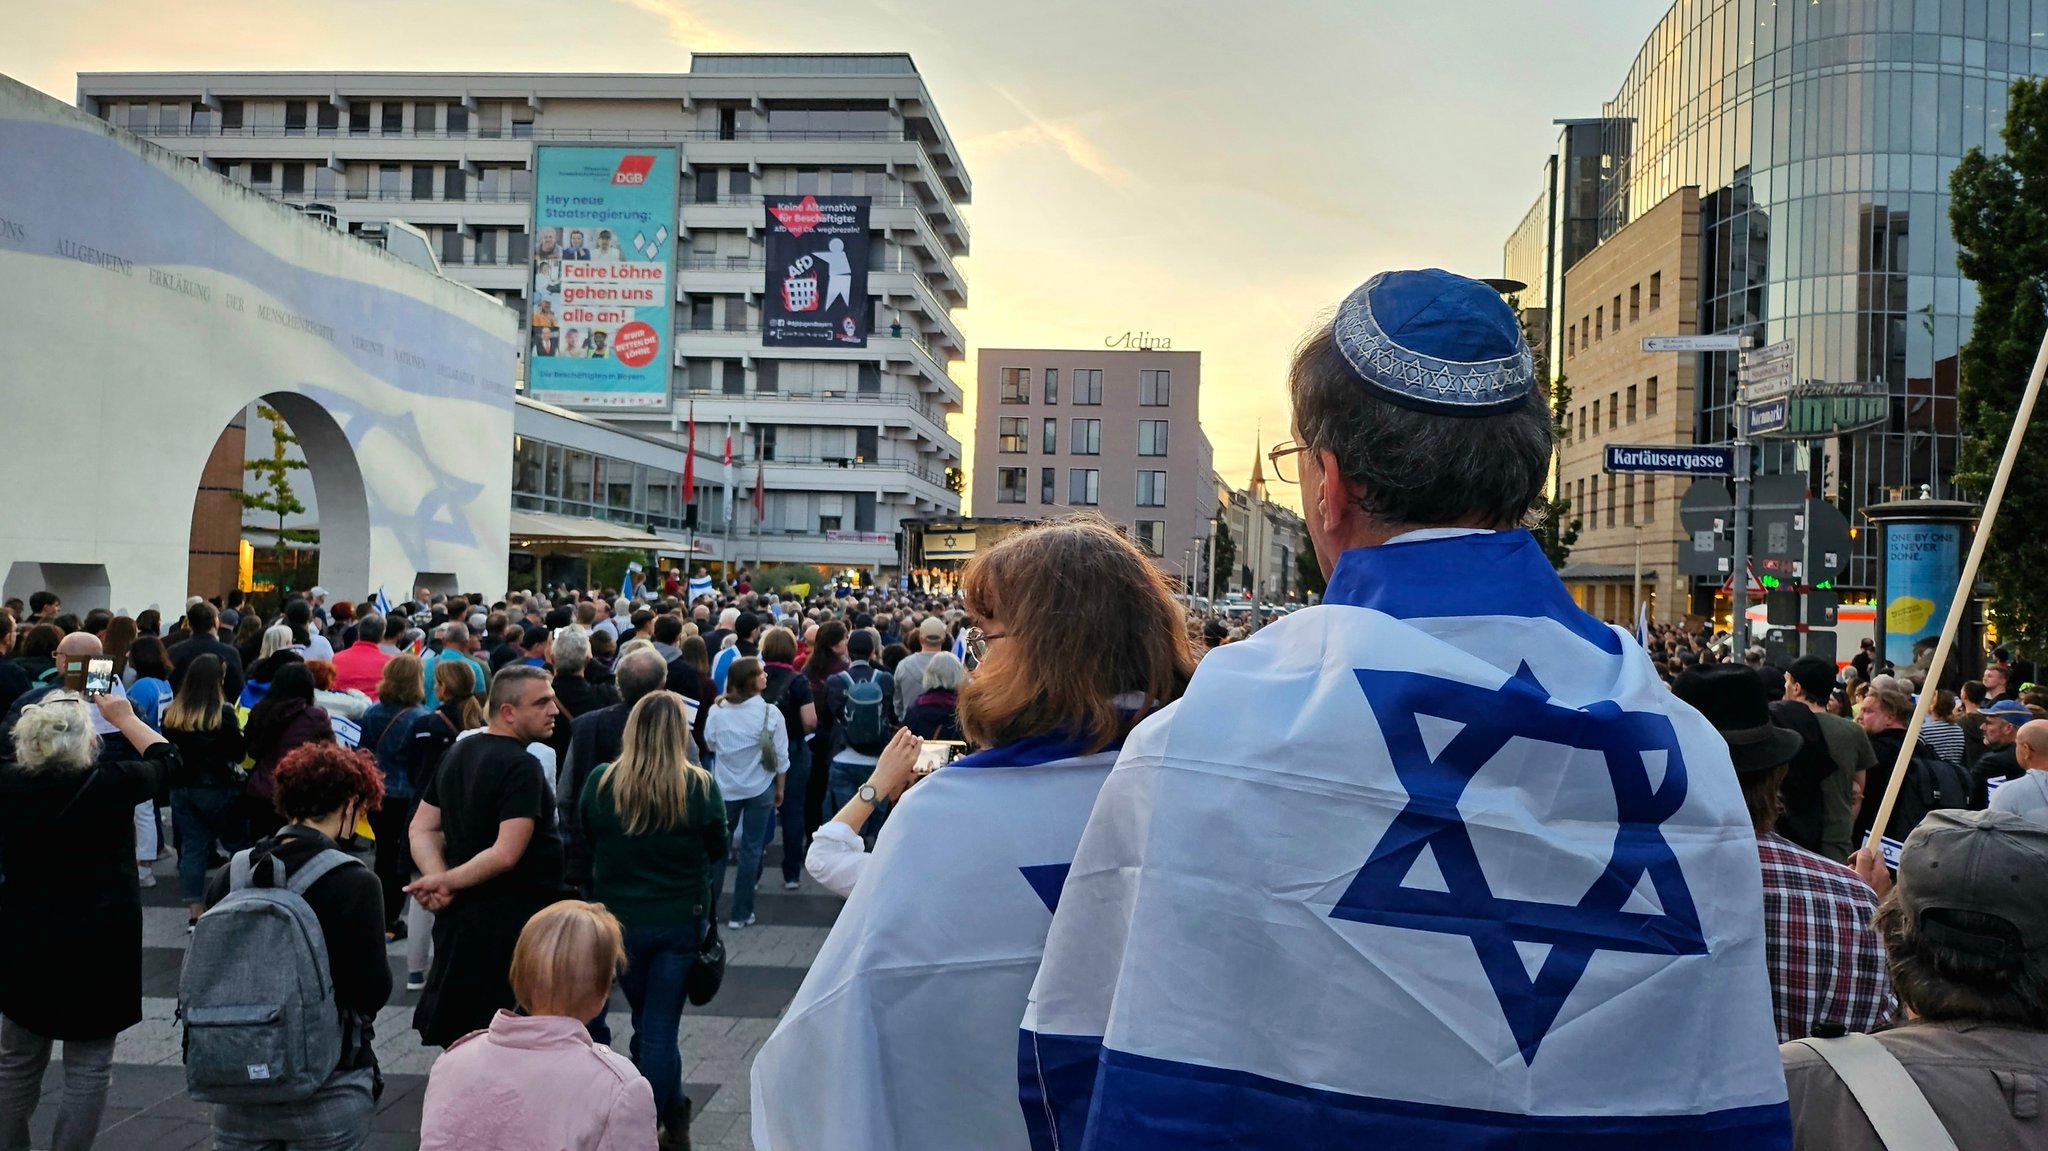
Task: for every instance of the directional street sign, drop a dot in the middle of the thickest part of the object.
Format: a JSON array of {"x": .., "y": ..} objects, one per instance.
[
  {"x": 1728, "y": 343},
  {"x": 1766, "y": 373},
  {"x": 1679, "y": 459},
  {"x": 1815, "y": 411}
]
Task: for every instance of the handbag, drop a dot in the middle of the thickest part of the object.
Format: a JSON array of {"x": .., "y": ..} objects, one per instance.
[{"x": 708, "y": 972}]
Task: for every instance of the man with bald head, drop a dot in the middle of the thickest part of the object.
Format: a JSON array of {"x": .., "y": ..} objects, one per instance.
[
  {"x": 2027, "y": 795},
  {"x": 73, "y": 647}
]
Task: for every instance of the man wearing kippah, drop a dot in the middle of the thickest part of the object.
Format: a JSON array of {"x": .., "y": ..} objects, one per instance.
[{"x": 1474, "y": 878}]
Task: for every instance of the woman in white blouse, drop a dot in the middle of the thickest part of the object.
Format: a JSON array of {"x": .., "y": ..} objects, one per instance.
[{"x": 750, "y": 747}]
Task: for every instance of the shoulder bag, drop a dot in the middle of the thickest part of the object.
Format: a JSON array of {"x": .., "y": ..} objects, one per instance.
[{"x": 1894, "y": 1104}]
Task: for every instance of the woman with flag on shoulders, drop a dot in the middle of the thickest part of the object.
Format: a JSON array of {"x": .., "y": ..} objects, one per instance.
[{"x": 904, "y": 1033}]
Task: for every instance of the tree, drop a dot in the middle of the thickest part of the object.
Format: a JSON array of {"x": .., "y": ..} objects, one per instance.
[
  {"x": 1226, "y": 555},
  {"x": 2000, "y": 218},
  {"x": 1559, "y": 529},
  {"x": 1308, "y": 569},
  {"x": 276, "y": 495}
]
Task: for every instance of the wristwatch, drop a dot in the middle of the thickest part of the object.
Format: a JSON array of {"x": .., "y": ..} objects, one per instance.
[{"x": 866, "y": 792}]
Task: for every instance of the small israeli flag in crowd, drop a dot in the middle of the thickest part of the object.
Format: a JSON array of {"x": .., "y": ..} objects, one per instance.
[
  {"x": 1476, "y": 879},
  {"x": 904, "y": 1032},
  {"x": 381, "y": 602},
  {"x": 700, "y": 586}
]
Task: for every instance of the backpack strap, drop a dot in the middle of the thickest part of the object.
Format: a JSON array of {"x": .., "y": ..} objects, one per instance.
[
  {"x": 242, "y": 869},
  {"x": 316, "y": 869},
  {"x": 1894, "y": 1104}
]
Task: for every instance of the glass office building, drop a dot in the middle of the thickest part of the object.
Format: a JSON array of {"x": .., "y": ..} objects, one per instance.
[{"x": 1821, "y": 135}]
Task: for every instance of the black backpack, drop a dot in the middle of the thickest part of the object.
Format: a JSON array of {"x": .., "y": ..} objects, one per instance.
[
  {"x": 432, "y": 736},
  {"x": 1931, "y": 782}
]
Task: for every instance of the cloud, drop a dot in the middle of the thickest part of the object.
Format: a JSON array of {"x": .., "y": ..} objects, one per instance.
[
  {"x": 1064, "y": 135},
  {"x": 685, "y": 26}
]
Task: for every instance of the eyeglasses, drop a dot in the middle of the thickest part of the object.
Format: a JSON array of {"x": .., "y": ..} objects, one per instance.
[
  {"x": 977, "y": 645},
  {"x": 1286, "y": 468}
]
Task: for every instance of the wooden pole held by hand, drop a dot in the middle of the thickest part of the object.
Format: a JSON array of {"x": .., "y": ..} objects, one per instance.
[{"x": 1961, "y": 599}]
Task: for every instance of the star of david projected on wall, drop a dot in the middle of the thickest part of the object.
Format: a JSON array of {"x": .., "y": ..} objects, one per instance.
[{"x": 1424, "y": 875}]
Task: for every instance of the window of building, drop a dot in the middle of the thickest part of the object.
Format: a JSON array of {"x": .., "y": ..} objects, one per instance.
[
  {"x": 1151, "y": 489},
  {"x": 424, "y": 119},
  {"x": 294, "y": 117},
  {"x": 1155, "y": 388},
  {"x": 1650, "y": 398},
  {"x": 1086, "y": 438},
  {"x": 1151, "y": 535},
  {"x": 1046, "y": 479},
  {"x": 1579, "y": 501},
  {"x": 767, "y": 375},
  {"x": 735, "y": 313},
  {"x": 1596, "y": 415},
  {"x": 358, "y": 117},
  {"x": 1656, "y": 290},
  {"x": 700, "y": 375},
  {"x": 422, "y": 181},
  {"x": 1152, "y": 437},
  {"x": 1088, "y": 386},
  {"x": 328, "y": 118},
  {"x": 867, "y": 378},
  {"x": 394, "y": 118},
  {"x": 828, "y": 523},
  {"x": 1616, "y": 313},
  {"x": 1600, "y": 322},
  {"x": 707, "y": 185},
  {"x": 1635, "y": 302},
  {"x": 1011, "y": 436},
  {"x": 1593, "y": 504},
  {"x": 764, "y": 438},
  {"x": 700, "y": 313},
  {"x": 231, "y": 116},
  {"x": 490, "y": 121},
  {"x": 1631, "y": 403},
  {"x": 387, "y": 181},
  {"x": 522, "y": 122},
  {"x": 1010, "y": 485},
  {"x": 1582, "y": 422},
  {"x": 1613, "y": 497},
  {"x": 1084, "y": 485},
  {"x": 451, "y": 245},
  {"x": 1016, "y": 385},
  {"x": 486, "y": 245},
  {"x": 1628, "y": 500},
  {"x": 1613, "y": 410},
  {"x": 455, "y": 184},
  {"x": 728, "y": 123},
  {"x": 740, "y": 182},
  {"x": 1649, "y": 499},
  {"x": 1049, "y": 437},
  {"x": 294, "y": 179},
  {"x": 516, "y": 249},
  {"x": 735, "y": 378},
  {"x": 1052, "y": 385},
  {"x": 458, "y": 120},
  {"x": 261, "y": 172}
]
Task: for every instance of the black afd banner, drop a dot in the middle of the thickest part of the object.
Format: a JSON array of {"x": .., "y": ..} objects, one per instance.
[{"x": 817, "y": 291}]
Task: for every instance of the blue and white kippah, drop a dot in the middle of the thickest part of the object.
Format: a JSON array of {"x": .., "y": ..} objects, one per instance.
[{"x": 1436, "y": 342}]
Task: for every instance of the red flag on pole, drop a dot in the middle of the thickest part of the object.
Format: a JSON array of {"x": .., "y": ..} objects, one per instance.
[
  {"x": 690, "y": 461},
  {"x": 760, "y": 495}
]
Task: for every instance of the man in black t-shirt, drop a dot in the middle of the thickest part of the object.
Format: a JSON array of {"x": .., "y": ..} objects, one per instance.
[{"x": 489, "y": 855}]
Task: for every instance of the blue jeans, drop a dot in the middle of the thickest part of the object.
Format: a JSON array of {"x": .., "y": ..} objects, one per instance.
[
  {"x": 203, "y": 815},
  {"x": 791, "y": 815},
  {"x": 845, "y": 783},
  {"x": 658, "y": 959},
  {"x": 749, "y": 818}
]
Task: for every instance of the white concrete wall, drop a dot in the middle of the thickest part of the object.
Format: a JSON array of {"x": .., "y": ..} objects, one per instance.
[{"x": 145, "y": 302}]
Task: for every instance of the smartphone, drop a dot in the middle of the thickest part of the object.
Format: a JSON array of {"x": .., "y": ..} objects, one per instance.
[
  {"x": 99, "y": 677},
  {"x": 935, "y": 754}
]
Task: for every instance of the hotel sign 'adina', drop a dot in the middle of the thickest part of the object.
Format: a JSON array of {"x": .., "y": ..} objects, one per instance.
[{"x": 1139, "y": 342}]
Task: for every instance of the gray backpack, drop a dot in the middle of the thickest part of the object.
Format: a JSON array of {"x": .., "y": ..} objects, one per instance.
[{"x": 256, "y": 994}]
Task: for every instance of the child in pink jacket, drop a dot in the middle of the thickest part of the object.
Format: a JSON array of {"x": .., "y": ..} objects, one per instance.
[{"x": 536, "y": 1082}]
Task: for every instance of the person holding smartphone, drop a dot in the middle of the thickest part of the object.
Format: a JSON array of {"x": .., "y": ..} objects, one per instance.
[{"x": 837, "y": 854}]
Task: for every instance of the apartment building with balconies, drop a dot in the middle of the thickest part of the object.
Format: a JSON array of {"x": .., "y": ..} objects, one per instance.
[{"x": 847, "y": 441}]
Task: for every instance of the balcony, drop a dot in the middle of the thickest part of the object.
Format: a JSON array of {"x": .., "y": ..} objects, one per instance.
[
  {"x": 891, "y": 409},
  {"x": 735, "y": 341}
]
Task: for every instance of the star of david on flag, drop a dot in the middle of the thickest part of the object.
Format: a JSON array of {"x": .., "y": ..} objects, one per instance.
[{"x": 1424, "y": 875}]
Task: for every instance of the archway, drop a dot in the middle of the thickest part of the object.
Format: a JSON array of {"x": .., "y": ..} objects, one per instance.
[{"x": 329, "y": 489}]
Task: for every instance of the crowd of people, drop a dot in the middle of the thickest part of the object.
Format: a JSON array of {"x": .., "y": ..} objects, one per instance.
[{"x": 1133, "y": 912}]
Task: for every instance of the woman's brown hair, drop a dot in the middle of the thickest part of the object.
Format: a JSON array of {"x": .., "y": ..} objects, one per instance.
[
  {"x": 404, "y": 682},
  {"x": 1083, "y": 617}
]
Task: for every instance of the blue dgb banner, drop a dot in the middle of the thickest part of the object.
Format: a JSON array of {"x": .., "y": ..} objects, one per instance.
[{"x": 817, "y": 290}]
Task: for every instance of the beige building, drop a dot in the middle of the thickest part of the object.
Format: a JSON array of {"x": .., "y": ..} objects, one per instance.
[
  {"x": 1641, "y": 282},
  {"x": 1114, "y": 432}
]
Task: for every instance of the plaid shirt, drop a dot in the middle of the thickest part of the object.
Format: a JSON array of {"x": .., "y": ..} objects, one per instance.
[{"x": 1826, "y": 959}]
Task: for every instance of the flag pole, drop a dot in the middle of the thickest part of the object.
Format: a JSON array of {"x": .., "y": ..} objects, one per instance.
[{"x": 1961, "y": 599}]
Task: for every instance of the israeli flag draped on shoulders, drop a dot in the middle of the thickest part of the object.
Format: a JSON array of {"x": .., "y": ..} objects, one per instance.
[
  {"x": 904, "y": 1033},
  {"x": 1440, "y": 863}
]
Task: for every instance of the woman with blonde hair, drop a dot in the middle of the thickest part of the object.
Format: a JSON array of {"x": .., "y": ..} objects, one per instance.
[
  {"x": 537, "y": 1080},
  {"x": 656, "y": 824},
  {"x": 931, "y": 960}
]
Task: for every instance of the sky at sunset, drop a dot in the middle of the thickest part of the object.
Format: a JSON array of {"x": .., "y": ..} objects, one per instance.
[{"x": 1220, "y": 174}]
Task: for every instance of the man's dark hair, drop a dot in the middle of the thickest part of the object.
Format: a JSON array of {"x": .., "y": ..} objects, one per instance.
[
  {"x": 747, "y": 625},
  {"x": 1815, "y": 677},
  {"x": 860, "y": 645},
  {"x": 201, "y": 617},
  {"x": 668, "y": 629},
  {"x": 1975, "y": 691},
  {"x": 1993, "y": 979},
  {"x": 40, "y": 601},
  {"x": 370, "y": 629},
  {"x": 97, "y": 619},
  {"x": 560, "y": 617},
  {"x": 1416, "y": 467},
  {"x": 66, "y": 623},
  {"x": 298, "y": 613},
  {"x": 641, "y": 617},
  {"x": 235, "y": 598}
]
